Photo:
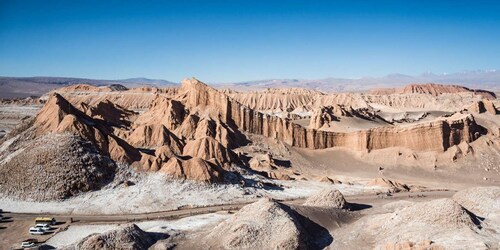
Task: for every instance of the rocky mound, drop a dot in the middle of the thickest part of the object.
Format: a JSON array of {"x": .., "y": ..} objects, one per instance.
[
  {"x": 324, "y": 117},
  {"x": 483, "y": 201},
  {"x": 208, "y": 148},
  {"x": 433, "y": 89},
  {"x": 153, "y": 136},
  {"x": 59, "y": 116},
  {"x": 405, "y": 117},
  {"x": 327, "y": 179},
  {"x": 444, "y": 213},
  {"x": 275, "y": 99},
  {"x": 193, "y": 127},
  {"x": 255, "y": 227},
  {"x": 193, "y": 169},
  {"x": 441, "y": 221},
  {"x": 52, "y": 167},
  {"x": 110, "y": 113},
  {"x": 262, "y": 162},
  {"x": 392, "y": 186},
  {"x": 202, "y": 122},
  {"x": 269, "y": 167},
  {"x": 328, "y": 198},
  {"x": 483, "y": 106},
  {"x": 130, "y": 237},
  {"x": 164, "y": 111}
]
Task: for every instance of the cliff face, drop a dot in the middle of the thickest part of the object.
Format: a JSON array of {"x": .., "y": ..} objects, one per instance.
[
  {"x": 437, "y": 135},
  {"x": 433, "y": 89},
  {"x": 58, "y": 116},
  {"x": 192, "y": 134},
  {"x": 483, "y": 106}
]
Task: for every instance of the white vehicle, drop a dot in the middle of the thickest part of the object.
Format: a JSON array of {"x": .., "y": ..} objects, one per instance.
[
  {"x": 45, "y": 227},
  {"x": 27, "y": 244},
  {"x": 37, "y": 230}
]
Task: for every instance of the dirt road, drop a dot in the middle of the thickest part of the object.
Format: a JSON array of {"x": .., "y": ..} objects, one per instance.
[{"x": 15, "y": 228}]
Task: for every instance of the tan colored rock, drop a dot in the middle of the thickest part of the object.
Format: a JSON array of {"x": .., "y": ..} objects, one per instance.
[
  {"x": 58, "y": 115},
  {"x": 262, "y": 162},
  {"x": 193, "y": 169},
  {"x": 153, "y": 136},
  {"x": 110, "y": 113},
  {"x": 327, "y": 179},
  {"x": 208, "y": 148},
  {"x": 483, "y": 106},
  {"x": 163, "y": 111},
  {"x": 437, "y": 135},
  {"x": 129, "y": 237},
  {"x": 187, "y": 129},
  {"x": 393, "y": 186},
  {"x": 120, "y": 151},
  {"x": 433, "y": 89},
  {"x": 164, "y": 153},
  {"x": 149, "y": 163},
  {"x": 328, "y": 198},
  {"x": 254, "y": 227},
  {"x": 278, "y": 175}
]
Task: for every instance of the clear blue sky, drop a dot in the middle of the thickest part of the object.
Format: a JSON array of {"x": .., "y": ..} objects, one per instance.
[{"x": 225, "y": 41}]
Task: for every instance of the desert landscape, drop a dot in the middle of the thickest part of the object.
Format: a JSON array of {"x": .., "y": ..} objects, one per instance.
[
  {"x": 249, "y": 125},
  {"x": 195, "y": 167}
]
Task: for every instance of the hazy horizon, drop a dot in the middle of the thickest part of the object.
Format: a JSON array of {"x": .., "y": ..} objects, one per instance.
[{"x": 266, "y": 79}]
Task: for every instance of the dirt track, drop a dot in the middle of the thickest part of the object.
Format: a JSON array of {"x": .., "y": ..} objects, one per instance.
[{"x": 15, "y": 229}]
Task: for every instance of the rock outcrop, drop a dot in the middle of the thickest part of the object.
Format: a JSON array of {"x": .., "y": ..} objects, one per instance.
[
  {"x": 329, "y": 198},
  {"x": 199, "y": 126},
  {"x": 130, "y": 237},
  {"x": 164, "y": 111},
  {"x": 266, "y": 165},
  {"x": 208, "y": 148},
  {"x": 110, "y": 113},
  {"x": 194, "y": 168},
  {"x": 483, "y": 201},
  {"x": 54, "y": 167},
  {"x": 59, "y": 116},
  {"x": 325, "y": 116},
  {"x": 433, "y": 89},
  {"x": 153, "y": 136},
  {"x": 392, "y": 186},
  {"x": 483, "y": 106},
  {"x": 420, "y": 137},
  {"x": 254, "y": 227}
]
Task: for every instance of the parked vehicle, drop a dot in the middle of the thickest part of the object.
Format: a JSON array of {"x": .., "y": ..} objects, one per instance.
[
  {"x": 45, "y": 220},
  {"x": 36, "y": 231},
  {"x": 45, "y": 227},
  {"x": 26, "y": 244}
]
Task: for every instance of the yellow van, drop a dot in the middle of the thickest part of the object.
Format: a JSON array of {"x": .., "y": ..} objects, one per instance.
[{"x": 45, "y": 220}]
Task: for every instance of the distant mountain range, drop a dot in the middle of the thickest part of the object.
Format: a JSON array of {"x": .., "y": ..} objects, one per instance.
[
  {"x": 19, "y": 87},
  {"x": 489, "y": 80},
  {"x": 14, "y": 87}
]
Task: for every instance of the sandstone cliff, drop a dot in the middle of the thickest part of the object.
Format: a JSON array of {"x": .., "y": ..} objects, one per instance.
[
  {"x": 438, "y": 135},
  {"x": 483, "y": 106},
  {"x": 433, "y": 89},
  {"x": 58, "y": 115},
  {"x": 191, "y": 135}
]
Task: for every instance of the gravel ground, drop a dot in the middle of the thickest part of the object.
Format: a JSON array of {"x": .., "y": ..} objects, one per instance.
[
  {"x": 77, "y": 232},
  {"x": 156, "y": 192}
]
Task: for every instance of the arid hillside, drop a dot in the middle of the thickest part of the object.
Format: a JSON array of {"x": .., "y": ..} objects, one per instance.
[{"x": 116, "y": 150}]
